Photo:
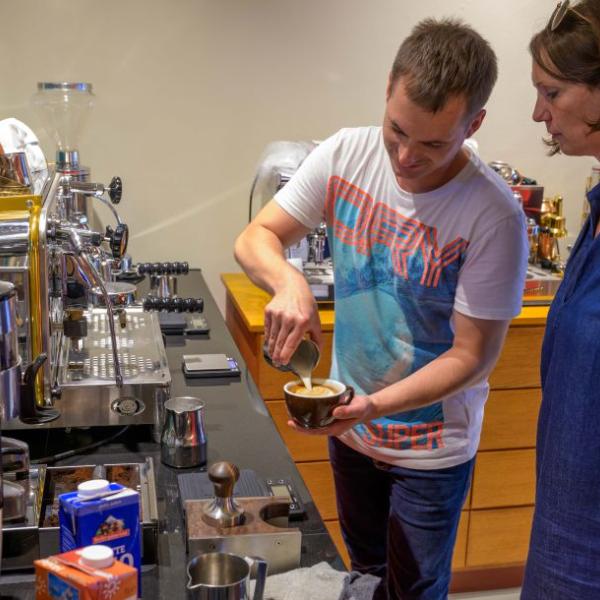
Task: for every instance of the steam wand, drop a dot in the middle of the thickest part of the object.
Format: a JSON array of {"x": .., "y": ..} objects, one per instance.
[{"x": 92, "y": 277}]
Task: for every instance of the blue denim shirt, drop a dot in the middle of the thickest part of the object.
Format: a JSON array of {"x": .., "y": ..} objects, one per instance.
[{"x": 564, "y": 560}]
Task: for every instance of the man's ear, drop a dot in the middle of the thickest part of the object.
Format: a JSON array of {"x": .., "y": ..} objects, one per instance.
[{"x": 476, "y": 123}]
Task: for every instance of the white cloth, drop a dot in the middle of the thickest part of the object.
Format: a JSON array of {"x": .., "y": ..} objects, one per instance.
[
  {"x": 319, "y": 582},
  {"x": 403, "y": 262}
]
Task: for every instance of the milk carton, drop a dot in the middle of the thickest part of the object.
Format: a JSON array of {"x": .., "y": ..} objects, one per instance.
[
  {"x": 105, "y": 513},
  {"x": 90, "y": 573}
]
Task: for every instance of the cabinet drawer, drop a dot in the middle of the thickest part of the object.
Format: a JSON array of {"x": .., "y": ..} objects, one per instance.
[
  {"x": 510, "y": 419},
  {"x": 271, "y": 381},
  {"x": 319, "y": 481},
  {"x": 498, "y": 537},
  {"x": 519, "y": 362},
  {"x": 503, "y": 478},
  {"x": 302, "y": 447}
]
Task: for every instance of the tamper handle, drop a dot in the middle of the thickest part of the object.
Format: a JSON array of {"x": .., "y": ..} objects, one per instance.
[{"x": 223, "y": 476}]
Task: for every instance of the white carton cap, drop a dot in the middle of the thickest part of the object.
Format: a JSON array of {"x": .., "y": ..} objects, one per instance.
[
  {"x": 93, "y": 488},
  {"x": 97, "y": 557}
]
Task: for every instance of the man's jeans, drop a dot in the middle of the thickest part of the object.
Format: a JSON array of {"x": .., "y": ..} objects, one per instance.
[{"x": 399, "y": 524}]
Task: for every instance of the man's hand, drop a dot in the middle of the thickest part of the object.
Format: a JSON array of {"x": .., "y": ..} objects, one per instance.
[
  {"x": 360, "y": 410},
  {"x": 293, "y": 311},
  {"x": 288, "y": 317}
]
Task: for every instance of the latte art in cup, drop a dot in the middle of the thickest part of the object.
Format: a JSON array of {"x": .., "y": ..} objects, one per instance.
[
  {"x": 317, "y": 391},
  {"x": 313, "y": 408}
]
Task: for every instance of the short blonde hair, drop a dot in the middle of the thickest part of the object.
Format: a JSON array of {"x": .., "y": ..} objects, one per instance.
[{"x": 442, "y": 59}]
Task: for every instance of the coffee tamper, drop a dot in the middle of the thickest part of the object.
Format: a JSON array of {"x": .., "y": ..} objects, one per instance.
[{"x": 223, "y": 510}]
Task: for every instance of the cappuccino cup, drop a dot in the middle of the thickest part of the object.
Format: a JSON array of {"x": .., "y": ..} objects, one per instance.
[{"x": 312, "y": 409}]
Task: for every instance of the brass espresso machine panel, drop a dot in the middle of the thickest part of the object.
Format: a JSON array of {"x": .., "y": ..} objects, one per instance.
[{"x": 92, "y": 351}]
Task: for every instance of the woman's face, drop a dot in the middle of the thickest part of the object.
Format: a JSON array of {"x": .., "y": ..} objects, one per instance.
[{"x": 567, "y": 109}]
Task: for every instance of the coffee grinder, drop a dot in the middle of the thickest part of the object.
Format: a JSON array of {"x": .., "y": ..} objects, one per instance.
[{"x": 65, "y": 108}]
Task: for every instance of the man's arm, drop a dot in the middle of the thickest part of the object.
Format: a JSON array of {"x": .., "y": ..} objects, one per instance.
[
  {"x": 292, "y": 311},
  {"x": 474, "y": 352}
]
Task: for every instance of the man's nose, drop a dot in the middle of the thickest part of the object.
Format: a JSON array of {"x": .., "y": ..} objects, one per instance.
[{"x": 407, "y": 154}]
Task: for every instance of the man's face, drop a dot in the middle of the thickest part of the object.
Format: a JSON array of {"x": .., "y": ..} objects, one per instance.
[{"x": 425, "y": 147}]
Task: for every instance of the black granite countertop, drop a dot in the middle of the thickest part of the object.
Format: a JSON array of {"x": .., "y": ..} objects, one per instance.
[{"x": 239, "y": 429}]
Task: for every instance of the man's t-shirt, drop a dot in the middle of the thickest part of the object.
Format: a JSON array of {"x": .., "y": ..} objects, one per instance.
[{"x": 402, "y": 263}]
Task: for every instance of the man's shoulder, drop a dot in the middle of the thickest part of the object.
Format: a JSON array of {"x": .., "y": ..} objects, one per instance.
[
  {"x": 487, "y": 184},
  {"x": 353, "y": 136},
  {"x": 353, "y": 145}
]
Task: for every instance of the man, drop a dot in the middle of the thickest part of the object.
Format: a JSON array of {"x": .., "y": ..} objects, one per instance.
[{"x": 429, "y": 249}]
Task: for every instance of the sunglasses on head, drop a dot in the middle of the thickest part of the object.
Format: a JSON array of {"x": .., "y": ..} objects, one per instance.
[{"x": 562, "y": 8}]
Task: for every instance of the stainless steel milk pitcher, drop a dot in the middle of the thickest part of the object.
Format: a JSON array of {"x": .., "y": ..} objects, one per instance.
[
  {"x": 223, "y": 576},
  {"x": 183, "y": 438}
]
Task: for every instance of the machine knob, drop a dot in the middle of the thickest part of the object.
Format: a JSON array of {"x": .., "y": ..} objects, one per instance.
[
  {"x": 181, "y": 268},
  {"x": 119, "y": 238},
  {"x": 144, "y": 268},
  {"x": 151, "y": 303},
  {"x": 164, "y": 268},
  {"x": 115, "y": 190},
  {"x": 193, "y": 304}
]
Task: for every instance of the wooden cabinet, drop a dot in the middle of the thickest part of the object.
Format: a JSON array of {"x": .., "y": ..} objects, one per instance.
[
  {"x": 493, "y": 534},
  {"x": 498, "y": 537}
]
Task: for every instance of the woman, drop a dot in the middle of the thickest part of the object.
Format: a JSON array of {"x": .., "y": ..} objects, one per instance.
[{"x": 564, "y": 553}]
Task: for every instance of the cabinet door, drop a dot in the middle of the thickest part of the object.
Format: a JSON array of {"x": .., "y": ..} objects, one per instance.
[
  {"x": 499, "y": 536},
  {"x": 519, "y": 363},
  {"x": 318, "y": 477},
  {"x": 510, "y": 419},
  {"x": 335, "y": 531},
  {"x": 302, "y": 447},
  {"x": 503, "y": 478},
  {"x": 459, "y": 557}
]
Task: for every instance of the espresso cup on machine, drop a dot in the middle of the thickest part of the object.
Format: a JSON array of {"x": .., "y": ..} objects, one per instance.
[{"x": 313, "y": 408}]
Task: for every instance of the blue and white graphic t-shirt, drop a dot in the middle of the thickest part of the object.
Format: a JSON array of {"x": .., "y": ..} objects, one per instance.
[{"x": 403, "y": 262}]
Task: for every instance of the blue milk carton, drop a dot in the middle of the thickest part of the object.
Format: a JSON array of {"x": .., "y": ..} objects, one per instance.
[{"x": 105, "y": 513}]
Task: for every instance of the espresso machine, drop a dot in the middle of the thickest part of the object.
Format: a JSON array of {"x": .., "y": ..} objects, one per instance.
[
  {"x": 91, "y": 347},
  {"x": 279, "y": 162}
]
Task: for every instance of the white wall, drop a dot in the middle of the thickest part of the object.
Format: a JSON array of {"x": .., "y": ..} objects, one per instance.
[{"x": 189, "y": 92}]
